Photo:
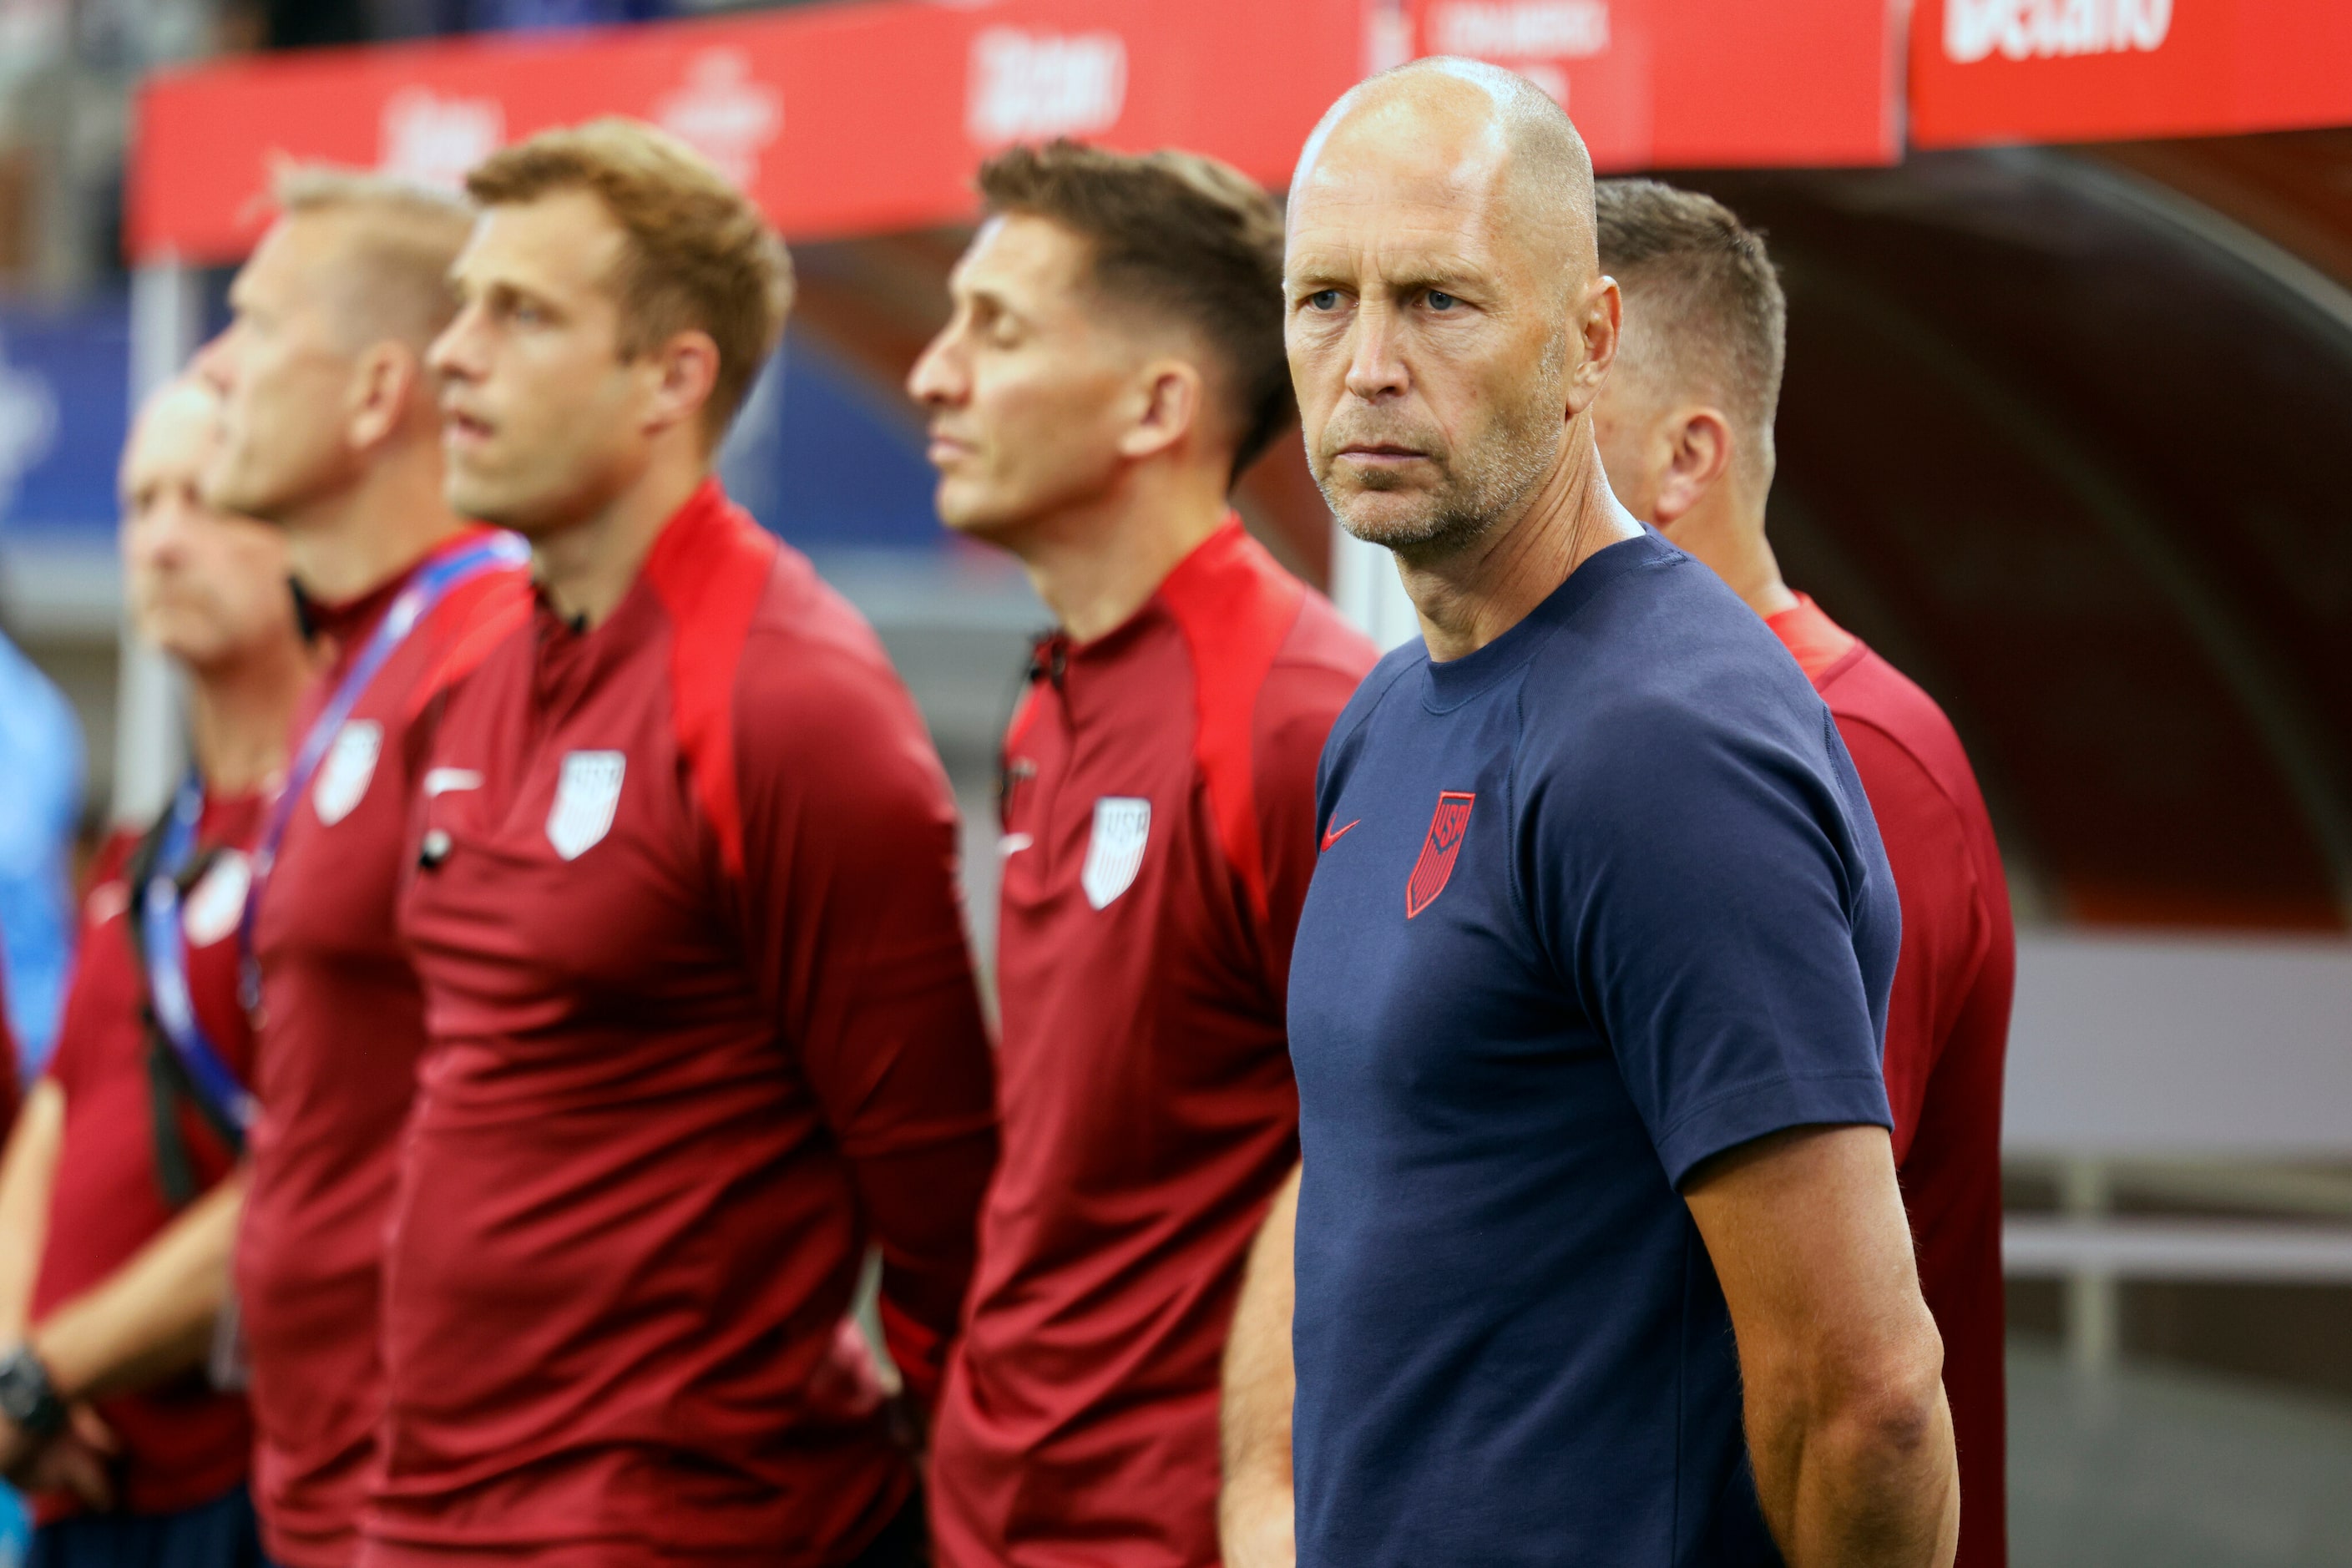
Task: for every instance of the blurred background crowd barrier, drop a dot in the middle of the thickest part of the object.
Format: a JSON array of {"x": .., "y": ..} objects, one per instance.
[{"x": 2069, "y": 392}]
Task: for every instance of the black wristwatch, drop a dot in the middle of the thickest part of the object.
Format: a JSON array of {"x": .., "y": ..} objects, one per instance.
[{"x": 26, "y": 1395}]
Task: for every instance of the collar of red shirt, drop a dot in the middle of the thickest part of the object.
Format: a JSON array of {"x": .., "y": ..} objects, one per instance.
[
  {"x": 1211, "y": 555},
  {"x": 347, "y": 621},
  {"x": 677, "y": 539},
  {"x": 1817, "y": 641}
]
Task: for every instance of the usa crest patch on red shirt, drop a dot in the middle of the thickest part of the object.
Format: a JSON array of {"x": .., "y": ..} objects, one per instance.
[{"x": 1438, "y": 851}]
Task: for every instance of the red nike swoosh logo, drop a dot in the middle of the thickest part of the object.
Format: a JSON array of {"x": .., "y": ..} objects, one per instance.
[{"x": 1333, "y": 835}]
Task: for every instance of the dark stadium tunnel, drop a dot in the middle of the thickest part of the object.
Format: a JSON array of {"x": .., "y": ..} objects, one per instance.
[
  {"x": 2071, "y": 449},
  {"x": 2069, "y": 444}
]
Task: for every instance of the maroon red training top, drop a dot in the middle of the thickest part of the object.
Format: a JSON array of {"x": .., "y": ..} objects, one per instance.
[
  {"x": 1159, "y": 832},
  {"x": 343, "y": 1024},
  {"x": 1946, "y": 1031},
  {"x": 183, "y": 1442},
  {"x": 703, "y": 1027}
]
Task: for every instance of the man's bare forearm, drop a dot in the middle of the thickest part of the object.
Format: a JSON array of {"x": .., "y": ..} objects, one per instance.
[
  {"x": 1870, "y": 1481},
  {"x": 1841, "y": 1366},
  {"x": 154, "y": 1316},
  {"x": 1255, "y": 1510},
  {"x": 28, "y": 1174}
]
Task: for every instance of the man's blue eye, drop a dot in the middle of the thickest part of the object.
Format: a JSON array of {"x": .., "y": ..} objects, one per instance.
[
  {"x": 1325, "y": 299},
  {"x": 1439, "y": 300}
]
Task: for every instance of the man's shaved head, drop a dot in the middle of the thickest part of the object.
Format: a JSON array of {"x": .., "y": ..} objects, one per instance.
[
  {"x": 1446, "y": 317},
  {"x": 1474, "y": 107}
]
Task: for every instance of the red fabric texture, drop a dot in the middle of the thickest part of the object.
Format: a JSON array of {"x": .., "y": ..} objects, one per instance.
[
  {"x": 184, "y": 1442},
  {"x": 1947, "y": 1035},
  {"x": 343, "y": 1026},
  {"x": 1816, "y": 641},
  {"x": 1147, "y": 1098},
  {"x": 678, "y": 1084}
]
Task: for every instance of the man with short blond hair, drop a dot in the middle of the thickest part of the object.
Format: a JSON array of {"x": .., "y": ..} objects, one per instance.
[
  {"x": 1684, "y": 426},
  {"x": 1114, "y": 359},
  {"x": 704, "y": 1024},
  {"x": 329, "y": 431}
]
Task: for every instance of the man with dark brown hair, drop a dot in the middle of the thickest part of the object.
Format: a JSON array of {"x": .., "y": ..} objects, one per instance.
[
  {"x": 1114, "y": 361},
  {"x": 1685, "y": 428},
  {"x": 703, "y": 1019}
]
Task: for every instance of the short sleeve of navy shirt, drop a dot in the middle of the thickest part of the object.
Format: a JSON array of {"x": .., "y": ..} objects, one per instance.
[{"x": 1595, "y": 902}]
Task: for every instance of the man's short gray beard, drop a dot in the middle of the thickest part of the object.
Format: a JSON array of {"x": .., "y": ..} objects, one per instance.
[{"x": 1493, "y": 485}]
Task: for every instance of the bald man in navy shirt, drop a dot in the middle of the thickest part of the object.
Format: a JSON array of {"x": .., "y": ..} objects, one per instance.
[{"x": 1600, "y": 1256}]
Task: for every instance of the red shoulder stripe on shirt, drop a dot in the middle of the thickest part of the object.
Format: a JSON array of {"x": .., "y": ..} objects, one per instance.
[
  {"x": 710, "y": 569},
  {"x": 1024, "y": 712},
  {"x": 1819, "y": 643},
  {"x": 1235, "y": 606},
  {"x": 489, "y": 611}
]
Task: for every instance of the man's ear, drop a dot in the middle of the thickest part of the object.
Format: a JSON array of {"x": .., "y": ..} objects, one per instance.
[
  {"x": 1168, "y": 408},
  {"x": 1600, "y": 324},
  {"x": 685, "y": 373},
  {"x": 384, "y": 380},
  {"x": 1701, "y": 454}
]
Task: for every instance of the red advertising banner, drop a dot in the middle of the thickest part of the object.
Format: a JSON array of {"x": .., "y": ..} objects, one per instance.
[
  {"x": 862, "y": 118},
  {"x": 2071, "y": 70},
  {"x": 1678, "y": 84},
  {"x": 840, "y": 119}
]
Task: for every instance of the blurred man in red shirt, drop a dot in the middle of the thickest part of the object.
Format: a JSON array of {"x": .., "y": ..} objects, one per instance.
[
  {"x": 118, "y": 1197},
  {"x": 1114, "y": 359},
  {"x": 1685, "y": 426},
  {"x": 330, "y": 431},
  {"x": 703, "y": 1021}
]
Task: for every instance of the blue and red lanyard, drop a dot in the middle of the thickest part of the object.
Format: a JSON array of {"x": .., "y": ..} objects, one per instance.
[
  {"x": 431, "y": 585},
  {"x": 166, "y": 955}
]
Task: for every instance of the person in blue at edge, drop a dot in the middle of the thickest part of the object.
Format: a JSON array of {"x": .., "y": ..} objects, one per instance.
[
  {"x": 41, "y": 758},
  {"x": 1587, "y": 997}
]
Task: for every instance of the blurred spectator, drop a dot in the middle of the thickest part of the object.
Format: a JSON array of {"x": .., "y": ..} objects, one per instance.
[
  {"x": 120, "y": 1188},
  {"x": 40, "y": 756}
]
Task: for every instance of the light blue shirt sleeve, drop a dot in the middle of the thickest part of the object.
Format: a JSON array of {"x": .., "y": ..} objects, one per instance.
[{"x": 40, "y": 806}]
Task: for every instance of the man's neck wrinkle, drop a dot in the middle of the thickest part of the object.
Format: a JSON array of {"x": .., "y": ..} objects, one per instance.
[
  {"x": 353, "y": 541},
  {"x": 1729, "y": 539},
  {"x": 587, "y": 569},
  {"x": 1096, "y": 565},
  {"x": 239, "y": 717},
  {"x": 1469, "y": 599}
]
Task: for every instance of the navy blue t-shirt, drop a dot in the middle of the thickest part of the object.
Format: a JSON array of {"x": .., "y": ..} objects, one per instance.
[{"x": 1595, "y": 902}]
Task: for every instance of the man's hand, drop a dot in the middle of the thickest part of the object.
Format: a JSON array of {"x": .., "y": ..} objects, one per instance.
[
  {"x": 17, "y": 1447},
  {"x": 77, "y": 1463},
  {"x": 1256, "y": 1510},
  {"x": 1839, "y": 1363}
]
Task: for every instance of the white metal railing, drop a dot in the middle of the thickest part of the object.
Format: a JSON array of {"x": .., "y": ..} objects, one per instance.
[{"x": 2184, "y": 1069}]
